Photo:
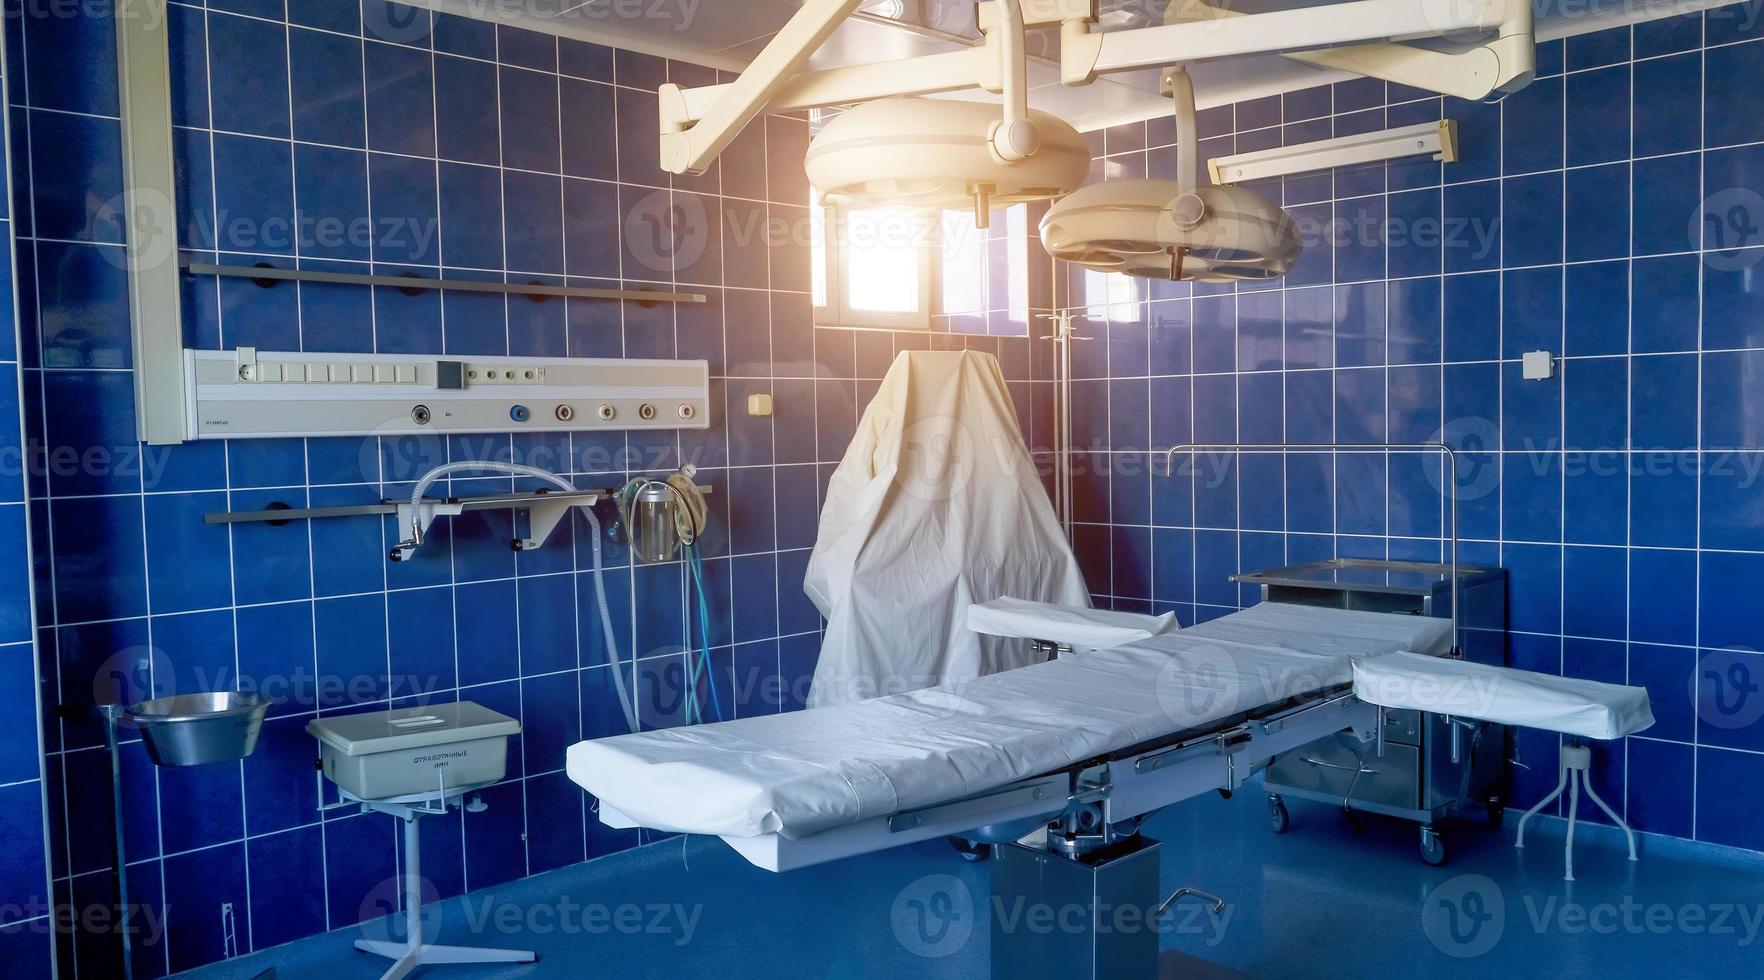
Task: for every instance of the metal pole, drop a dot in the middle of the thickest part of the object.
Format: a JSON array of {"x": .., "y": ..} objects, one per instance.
[
  {"x": 413, "y": 883},
  {"x": 111, "y": 713}
]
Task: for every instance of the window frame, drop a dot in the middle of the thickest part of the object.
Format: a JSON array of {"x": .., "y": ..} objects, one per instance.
[{"x": 832, "y": 253}]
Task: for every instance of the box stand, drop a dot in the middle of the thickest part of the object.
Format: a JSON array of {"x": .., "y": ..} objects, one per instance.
[{"x": 414, "y": 952}]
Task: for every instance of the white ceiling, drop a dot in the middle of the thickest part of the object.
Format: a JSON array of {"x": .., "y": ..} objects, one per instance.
[{"x": 727, "y": 33}]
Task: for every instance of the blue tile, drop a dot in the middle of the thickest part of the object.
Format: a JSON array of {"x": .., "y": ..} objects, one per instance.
[
  {"x": 1661, "y": 777},
  {"x": 1664, "y": 304},
  {"x": 1215, "y": 334},
  {"x": 1596, "y": 309},
  {"x": 471, "y": 216},
  {"x": 1360, "y": 250},
  {"x": 1596, "y": 403},
  {"x": 1598, "y": 211},
  {"x": 1310, "y": 407},
  {"x": 533, "y": 217},
  {"x": 400, "y": 83},
  {"x": 1733, "y": 301},
  {"x": 1732, "y": 385},
  {"x": 1531, "y": 413},
  {"x": 287, "y": 880},
  {"x": 99, "y": 543},
  {"x": 529, "y": 49},
  {"x": 1531, "y": 501},
  {"x": 1726, "y": 616},
  {"x": 1667, "y": 199},
  {"x": 1732, "y": 78},
  {"x": 1260, "y": 340},
  {"x": 1721, "y": 818},
  {"x": 1667, "y": 387},
  {"x": 1595, "y": 498},
  {"x": 1416, "y": 328},
  {"x": 467, "y": 130},
  {"x": 1471, "y": 235},
  {"x": 84, "y": 292},
  {"x": 76, "y": 161},
  {"x": 1533, "y": 229},
  {"x": 332, "y": 188},
  {"x": 1668, "y": 92},
  {"x": 1531, "y": 310},
  {"x": 91, "y": 439},
  {"x": 1361, "y": 320},
  {"x": 396, "y": 22},
  {"x": 326, "y": 87},
  {"x": 1668, "y": 35},
  {"x": 187, "y": 559},
  {"x": 1260, "y": 404},
  {"x": 1414, "y": 242},
  {"x": 1534, "y": 587},
  {"x": 1170, "y": 329},
  {"x": 1598, "y": 127},
  {"x": 1535, "y": 110},
  {"x": 1595, "y": 584},
  {"x": 1730, "y": 515},
  {"x": 1598, "y": 48},
  {"x": 465, "y": 36},
  {"x": 529, "y": 120},
  {"x": 350, "y": 636},
  {"x": 1472, "y": 310},
  {"x": 254, "y": 195},
  {"x": 551, "y": 720},
  {"x": 70, "y": 61},
  {"x": 1663, "y": 501},
  {"x": 248, "y": 60}
]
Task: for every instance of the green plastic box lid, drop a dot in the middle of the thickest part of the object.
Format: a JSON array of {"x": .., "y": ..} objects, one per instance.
[{"x": 372, "y": 732}]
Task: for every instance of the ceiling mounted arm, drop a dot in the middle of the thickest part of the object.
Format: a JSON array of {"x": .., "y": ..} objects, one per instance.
[
  {"x": 1084, "y": 53},
  {"x": 1014, "y": 137},
  {"x": 691, "y": 149}
]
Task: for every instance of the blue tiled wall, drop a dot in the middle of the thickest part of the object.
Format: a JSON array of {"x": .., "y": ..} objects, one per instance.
[
  {"x": 476, "y": 153},
  {"x": 25, "y": 893},
  {"x": 1622, "y": 496}
]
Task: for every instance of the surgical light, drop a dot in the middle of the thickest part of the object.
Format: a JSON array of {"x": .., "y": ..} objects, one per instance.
[
  {"x": 943, "y": 155},
  {"x": 1173, "y": 229}
]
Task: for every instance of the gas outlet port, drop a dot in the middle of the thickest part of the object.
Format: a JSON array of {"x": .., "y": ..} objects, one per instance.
[
  {"x": 687, "y": 412},
  {"x": 607, "y": 413},
  {"x": 520, "y": 413},
  {"x": 564, "y": 413},
  {"x": 420, "y": 415},
  {"x": 646, "y": 412}
]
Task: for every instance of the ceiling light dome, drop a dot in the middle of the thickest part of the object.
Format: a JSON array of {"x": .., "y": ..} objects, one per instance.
[
  {"x": 1153, "y": 228},
  {"x": 940, "y": 154},
  {"x": 1173, "y": 229}
]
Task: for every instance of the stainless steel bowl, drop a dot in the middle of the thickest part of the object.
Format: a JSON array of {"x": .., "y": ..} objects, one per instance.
[{"x": 199, "y": 729}]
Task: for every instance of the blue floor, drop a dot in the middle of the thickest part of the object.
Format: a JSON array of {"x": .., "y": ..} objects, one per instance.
[{"x": 1322, "y": 900}]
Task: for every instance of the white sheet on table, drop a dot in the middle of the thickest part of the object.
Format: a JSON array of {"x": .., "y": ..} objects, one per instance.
[
  {"x": 802, "y": 772},
  {"x": 1075, "y": 626},
  {"x": 1570, "y": 705}
]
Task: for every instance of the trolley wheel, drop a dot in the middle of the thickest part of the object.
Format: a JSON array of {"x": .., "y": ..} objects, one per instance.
[
  {"x": 1433, "y": 849},
  {"x": 971, "y": 850},
  {"x": 1278, "y": 818},
  {"x": 1497, "y": 814}
]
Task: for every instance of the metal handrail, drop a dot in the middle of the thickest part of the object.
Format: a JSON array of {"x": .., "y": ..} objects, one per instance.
[{"x": 1450, "y": 489}]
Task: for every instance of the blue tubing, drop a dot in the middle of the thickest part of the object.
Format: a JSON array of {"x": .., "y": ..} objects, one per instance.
[{"x": 710, "y": 675}]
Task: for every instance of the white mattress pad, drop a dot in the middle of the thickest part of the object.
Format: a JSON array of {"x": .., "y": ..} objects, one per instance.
[{"x": 803, "y": 772}]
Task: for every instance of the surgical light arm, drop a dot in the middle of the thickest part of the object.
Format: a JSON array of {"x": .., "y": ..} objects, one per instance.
[{"x": 698, "y": 124}]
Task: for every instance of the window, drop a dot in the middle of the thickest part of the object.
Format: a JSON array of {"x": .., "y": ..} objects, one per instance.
[{"x": 872, "y": 268}]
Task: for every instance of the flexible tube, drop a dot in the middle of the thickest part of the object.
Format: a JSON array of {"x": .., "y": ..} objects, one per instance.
[
  {"x": 612, "y": 646},
  {"x": 515, "y": 469},
  {"x": 704, "y": 631}
]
